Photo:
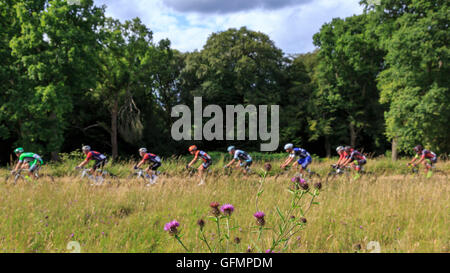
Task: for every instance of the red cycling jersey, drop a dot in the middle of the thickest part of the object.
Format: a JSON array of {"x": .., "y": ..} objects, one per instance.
[
  {"x": 150, "y": 157},
  {"x": 95, "y": 155}
]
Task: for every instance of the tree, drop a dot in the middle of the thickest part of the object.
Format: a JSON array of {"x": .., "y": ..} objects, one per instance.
[
  {"x": 415, "y": 82},
  {"x": 349, "y": 61},
  {"x": 237, "y": 66},
  {"x": 55, "y": 49},
  {"x": 123, "y": 74}
]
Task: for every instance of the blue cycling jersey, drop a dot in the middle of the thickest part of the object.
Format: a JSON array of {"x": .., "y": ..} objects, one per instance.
[{"x": 302, "y": 153}]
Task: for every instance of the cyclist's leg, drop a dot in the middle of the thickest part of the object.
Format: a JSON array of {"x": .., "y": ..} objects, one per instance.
[
  {"x": 97, "y": 169},
  {"x": 305, "y": 163},
  {"x": 34, "y": 166},
  {"x": 201, "y": 169},
  {"x": 428, "y": 163},
  {"x": 295, "y": 165},
  {"x": 247, "y": 165},
  {"x": 154, "y": 168},
  {"x": 360, "y": 165}
]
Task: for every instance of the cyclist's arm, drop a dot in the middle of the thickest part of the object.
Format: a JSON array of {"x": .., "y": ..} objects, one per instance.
[
  {"x": 346, "y": 161},
  {"x": 420, "y": 160},
  {"x": 413, "y": 160},
  {"x": 231, "y": 163},
  {"x": 18, "y": 165},
  {"x": 140, "y": 164},
  {"x": 341, "y": 160},
  {"x": 82, "y": 164},
  {"x": 287, "y": 161},
  {"x": 193, "y": 161}
]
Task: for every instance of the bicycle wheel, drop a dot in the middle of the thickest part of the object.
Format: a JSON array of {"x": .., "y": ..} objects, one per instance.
[{"x": 331, "y": 176}]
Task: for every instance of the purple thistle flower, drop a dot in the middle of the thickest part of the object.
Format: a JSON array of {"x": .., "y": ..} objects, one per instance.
[
  {"x": 260, "y": 218},
  {"x": 269, "y": 251},
  {"x": 71, "y": 235},
  {"x": 215, "y": 208},
  {"x": 227, "y": 209},
  {"x": 171, "y": 227}
]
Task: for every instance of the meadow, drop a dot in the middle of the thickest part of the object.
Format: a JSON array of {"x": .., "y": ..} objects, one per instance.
[{"x": 401, "y": 213}]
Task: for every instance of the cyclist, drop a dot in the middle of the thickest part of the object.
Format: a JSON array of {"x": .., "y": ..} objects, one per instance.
[
  {"x": 304, "y": 157},
  {"x": 243, "y": 159},
  {"x": 31, "y": 161},
  {"x": 427, "y": 158},
  {"x": 207, "y": 161},
  {"x": 356, "y": 158},
  {"x": 155, "y": 163},
  {"x": 100, "y": 159},
  {"x": 342, "y": 156}
]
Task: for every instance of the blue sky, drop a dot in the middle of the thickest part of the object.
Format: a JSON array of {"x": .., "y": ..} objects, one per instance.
[{"x": 188, "y": 23}]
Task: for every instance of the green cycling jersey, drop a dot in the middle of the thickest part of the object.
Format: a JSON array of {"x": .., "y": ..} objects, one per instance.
[{"x": 30, "y": 157}]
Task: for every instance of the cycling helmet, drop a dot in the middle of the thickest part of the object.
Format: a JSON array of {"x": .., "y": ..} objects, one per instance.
[
  {"x": 289, "y": 146},
  {"x": 339, "y": 148},
  {"x": 18, "y": 150},
  {"x": 143, "y": 150},
  {"x": 231, "y": 148},
  {"x": 347, "y": 148},
  {"x": 192, "y": 148},
  {"x": 418, "y": 148},
  {"x": 86, "y": 148}
]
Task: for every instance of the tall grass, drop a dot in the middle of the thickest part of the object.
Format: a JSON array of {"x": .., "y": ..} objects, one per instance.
[{"x": 403, "y": 214}]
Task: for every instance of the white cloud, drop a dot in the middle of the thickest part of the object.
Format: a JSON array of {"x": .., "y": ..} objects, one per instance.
[{"x": 291, "y": 27}]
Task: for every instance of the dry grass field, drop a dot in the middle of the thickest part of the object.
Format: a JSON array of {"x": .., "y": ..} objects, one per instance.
[{"x": 401, "y": 213}]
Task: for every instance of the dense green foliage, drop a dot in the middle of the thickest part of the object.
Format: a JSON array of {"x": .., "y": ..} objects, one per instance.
[{"x": 71, "y": 76}]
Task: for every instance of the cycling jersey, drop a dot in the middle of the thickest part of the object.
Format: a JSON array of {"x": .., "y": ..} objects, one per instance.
[
  {"x": 343, "y": 155},
  {"x": 427, "y": 154},
  {"x": 355, "y": 155},
  {"x": 30, "y": 157},
  {"x": 302, "y": 153},
  {"x": 154, "y": 159},
  {"x": 204, "y": 156},
  {"x": 242, "y": 156},
  {"x": 95, "y": 155},
  {"x": 151, "y": 157}
]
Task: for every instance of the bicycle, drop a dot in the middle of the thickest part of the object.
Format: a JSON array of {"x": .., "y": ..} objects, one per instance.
[
  {"x": 97, "y": 180},
  {"x": 414, "y": 170},
  {"x": 17, "y": 176},
  {"x": 141, "y": 174},
  {"x": 336, "y": 172},
  {"x": 193, "y": 171}
]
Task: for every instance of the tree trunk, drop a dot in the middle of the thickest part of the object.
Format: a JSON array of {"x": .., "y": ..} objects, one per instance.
[
  {"x": 327, "y": 146},
  {"x": 353, "y": 134},
  {"x": 54, "y": 154},
  {"x": 114, "y": 115},
  {"x": 394, "y": 149}
]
